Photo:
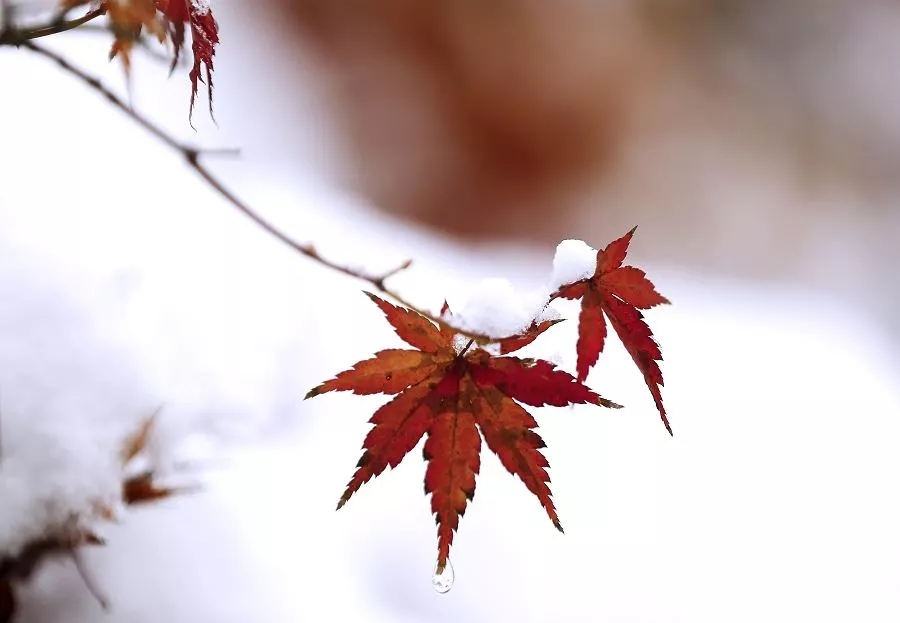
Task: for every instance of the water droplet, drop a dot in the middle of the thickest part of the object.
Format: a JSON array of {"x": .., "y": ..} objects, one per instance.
[{"x": 442, "y": 581}]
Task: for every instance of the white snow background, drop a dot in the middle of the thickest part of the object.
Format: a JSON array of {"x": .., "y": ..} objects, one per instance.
[{"x": 127, "y": 284}]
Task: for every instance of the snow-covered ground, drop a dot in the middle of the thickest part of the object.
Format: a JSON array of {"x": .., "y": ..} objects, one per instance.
[{"x": 776, "y": 500}]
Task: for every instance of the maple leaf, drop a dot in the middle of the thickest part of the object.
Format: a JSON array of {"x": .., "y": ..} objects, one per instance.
[
  {"x": 128, "y": 19},
  {"x": 204, "y": 39},
  {"x": 451, "y": 394},
  {"x": 619, "y": 292}
]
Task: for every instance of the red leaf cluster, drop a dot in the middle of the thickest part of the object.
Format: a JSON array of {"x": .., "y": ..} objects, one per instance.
[
  {"x": 164, "y": 19},
  {"x": 450, "y": 394},
  {"x": 455, "y": 393}
]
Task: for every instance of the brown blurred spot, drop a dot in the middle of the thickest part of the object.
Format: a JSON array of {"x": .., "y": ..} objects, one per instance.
[{"x": 478, "y": 117}]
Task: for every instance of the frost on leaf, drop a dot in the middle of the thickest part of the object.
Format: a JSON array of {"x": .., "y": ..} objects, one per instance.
[
  {"x": 574, "y": 260},
  {"x": 455, "y": 397},
  {"x": 618, "y": 292}
]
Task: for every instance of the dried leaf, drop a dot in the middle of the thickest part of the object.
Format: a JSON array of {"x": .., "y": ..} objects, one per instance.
[
  {"x": 142, "y": 489},
  {"x": 137, "y": 442},
  {"x": 128, "y": 19}
]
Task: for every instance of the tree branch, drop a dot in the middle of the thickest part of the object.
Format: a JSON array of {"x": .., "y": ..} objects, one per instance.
[
  {"x": 192, "y": 156},
  {"x": 10, "y": 35}
]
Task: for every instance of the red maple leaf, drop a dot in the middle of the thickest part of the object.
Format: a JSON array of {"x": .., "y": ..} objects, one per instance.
[
  {"x": 450, "y": 393},
  {"x": 204, "y": 39},
  {"x": 620, "y": 292}
]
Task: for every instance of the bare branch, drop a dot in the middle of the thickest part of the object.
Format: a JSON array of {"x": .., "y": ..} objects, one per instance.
[
  {"x": 10, "y": 35},
  {"x": 192, "y": 156}
]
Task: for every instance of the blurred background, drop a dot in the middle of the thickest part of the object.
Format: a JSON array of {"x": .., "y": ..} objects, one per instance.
[
  {"x": 753, "y": 143},
  {"x": 757, "y": 139},
  {"x": 754, "y": 139}
]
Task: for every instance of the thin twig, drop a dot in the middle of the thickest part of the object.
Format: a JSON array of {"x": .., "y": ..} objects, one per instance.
[
  {"x": 13, "y": 36},
  {"x": 192, "y": 156},
  {"x": 466, "y": 348}
]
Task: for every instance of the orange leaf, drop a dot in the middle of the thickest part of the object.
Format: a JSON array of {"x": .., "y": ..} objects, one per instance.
[
  {"x": 389, "y": 372},
  {"x": 127, "y": 20},
  {"x": 413, "y": 328},
  {"x": 398, "y": 427}
]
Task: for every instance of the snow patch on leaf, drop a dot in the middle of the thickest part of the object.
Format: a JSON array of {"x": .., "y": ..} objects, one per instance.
[
  {"x": 574, "y": 260},
  {"x": 496, "y": 309},
  {"x": 548, "y": 314},
  {"x": 201, "y": 7},
  {"x": 460, "y": 341}
]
